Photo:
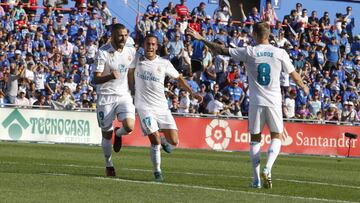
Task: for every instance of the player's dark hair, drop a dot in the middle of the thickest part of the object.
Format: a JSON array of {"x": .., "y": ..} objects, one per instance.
[
  {"x": 150, "y": 36},
  {"x": 117, "y": 26}
]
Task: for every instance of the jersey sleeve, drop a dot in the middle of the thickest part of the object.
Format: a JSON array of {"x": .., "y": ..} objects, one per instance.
[
  {"x": 134, "y": 58},
  {"x": 238, "y": 54},
  {"x": 286, "y": 63},
  {"x": 170, "y": 70},
  {"x": 100, "y": 61}
]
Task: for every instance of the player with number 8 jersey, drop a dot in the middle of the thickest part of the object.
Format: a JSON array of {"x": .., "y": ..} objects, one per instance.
[{"x": 264, "y": 63}]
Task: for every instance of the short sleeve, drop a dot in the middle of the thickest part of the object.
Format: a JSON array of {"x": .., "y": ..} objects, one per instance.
[
  {"x": 286, "y": 63},
  {"x": 170, "y": 70},
  {"x": 238, "y": 54},
  {"x": 100, "y": 61},
  {"x": 134, "y": 58}
]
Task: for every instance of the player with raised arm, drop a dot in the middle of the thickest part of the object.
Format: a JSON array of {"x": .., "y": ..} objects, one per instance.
[
  {"x": 264, "y": 63},
  {"x": 114, "y": 98},
  {"x": 151, "y": 103}
]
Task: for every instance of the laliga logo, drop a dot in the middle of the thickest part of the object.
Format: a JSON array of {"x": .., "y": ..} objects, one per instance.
[
  {"x": 286, "y": 139},
  {"x": 218, "y": 134}
]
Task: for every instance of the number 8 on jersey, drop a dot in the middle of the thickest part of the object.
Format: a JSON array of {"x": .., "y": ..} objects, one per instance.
[{"x": 263, "y": 74}]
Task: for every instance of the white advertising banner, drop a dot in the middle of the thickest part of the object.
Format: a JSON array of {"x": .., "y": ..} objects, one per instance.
[{"x": 42, "y": 125}]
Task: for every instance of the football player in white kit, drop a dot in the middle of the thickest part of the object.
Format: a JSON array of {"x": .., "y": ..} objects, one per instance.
[
  {"x": 114, "y": 98},
  {"x": 264, "y": 63},
  {"x": 150, "y": 100}
]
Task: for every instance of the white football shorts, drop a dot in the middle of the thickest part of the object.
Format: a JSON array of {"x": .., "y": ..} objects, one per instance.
[
  {"x": 261, "y": 115},
  {"x": 106, "y": 113},
  {"x": 151, "y": 121}
]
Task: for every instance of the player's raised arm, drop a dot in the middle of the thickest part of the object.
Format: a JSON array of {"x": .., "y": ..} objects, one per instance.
[
  {"x": 214, "y": 47},
  {"x": 297, "y": 79},
  {"x": 184, "y": 85}
]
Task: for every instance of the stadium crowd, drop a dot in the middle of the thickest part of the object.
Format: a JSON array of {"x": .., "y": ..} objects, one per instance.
[{"x": 47, "y": 56}]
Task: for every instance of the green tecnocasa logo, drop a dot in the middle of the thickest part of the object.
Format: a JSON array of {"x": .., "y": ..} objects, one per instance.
[{"x": 15, "y": 129}]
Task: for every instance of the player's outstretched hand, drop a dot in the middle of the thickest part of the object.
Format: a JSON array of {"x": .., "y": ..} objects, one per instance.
[
  {"x": 195, "y": 34},
  {"x": 306, "y": 90},
  {"x": 116, "y": 74}
]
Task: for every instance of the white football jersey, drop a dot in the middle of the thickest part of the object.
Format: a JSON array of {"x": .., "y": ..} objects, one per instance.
[
  {"x": 108, "y": 60},
  {"x": 264, "y": 64},
  {"x": 149, "y": 83}
]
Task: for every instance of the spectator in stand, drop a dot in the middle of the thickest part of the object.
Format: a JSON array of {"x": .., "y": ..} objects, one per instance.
[
  {"x": 184, "y": 103},
  {"x": 332, "y": 113},
  {"x": 349, "y": 114},
  {"x": 215, "y": 106},
  {"x": 175, "y": 50},
  {"x": 153, "y": 10},
  {"x": 199, "y": 11},
  {"x": 313, "y": 19},
  {"x": 325, "y": 21},
  {"x": 289, "y": 105},
  {"x": 332, "y": 54},
  {"x": 268, "y": 14},
  {"x": 21, "y": 100},
  {"x": 145, "y": 25},
  {"x": 169, "y": 10},
  {"x": 223, "y": 13},
  {"x": 349, "y": 22},
  {"x": 181, "y": 9},
  {"x": 253, "y": 17}
]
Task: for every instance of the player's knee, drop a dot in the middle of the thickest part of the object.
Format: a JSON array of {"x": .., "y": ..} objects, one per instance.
[
  {"x": 129, "y": 126},
  {"x": 107, "y": 134},
  {"x": 255, "y": 137},
  {"x": 174, "y": 142}
]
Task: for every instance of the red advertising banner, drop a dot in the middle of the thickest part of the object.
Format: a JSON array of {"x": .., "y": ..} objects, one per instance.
[{"x": 231, "y": 134}]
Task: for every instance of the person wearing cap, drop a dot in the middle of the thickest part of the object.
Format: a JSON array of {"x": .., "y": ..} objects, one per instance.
[
  {"x": 82, "y": 14},
  {"x": 206, "y": 23},
  {"x": 153, "y": 9},
  {"x": 145, "y": 25},
  {"x": 348, "y": 63},
  {"x": 95, "y": 21},
  {"x": 21, "y": 100},
  {"x": 349, "y": 113},
  {"x": 332, "y": 113},
  {"x": 234, "y": 93}
]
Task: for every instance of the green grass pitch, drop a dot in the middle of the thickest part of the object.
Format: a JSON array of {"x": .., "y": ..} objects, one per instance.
[{"x": 75, "y": 173}]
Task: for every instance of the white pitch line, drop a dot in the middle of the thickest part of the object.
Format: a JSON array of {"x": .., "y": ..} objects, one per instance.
[
  {"x": 194, "y": 174},
  {"x": 221, "y": 190}
]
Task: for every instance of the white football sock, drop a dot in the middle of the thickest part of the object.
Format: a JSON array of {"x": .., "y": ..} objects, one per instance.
[
  {"x": 121, "y": 131},
  {"x": 155, "y": 157},
  {"x": 273, "y": 152},
  {"x": 255, "y": 160},
  {"x": 107, "y": 149}
]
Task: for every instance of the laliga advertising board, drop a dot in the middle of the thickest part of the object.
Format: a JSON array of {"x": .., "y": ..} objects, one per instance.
[
  {"x": 231, "y": 134},
  {"x": 40, "y": 125}
]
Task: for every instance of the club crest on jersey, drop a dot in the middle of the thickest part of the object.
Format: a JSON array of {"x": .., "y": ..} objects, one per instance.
[
  {"x": 129, "y": 58},
  {"x": 158, "y": 69}
]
